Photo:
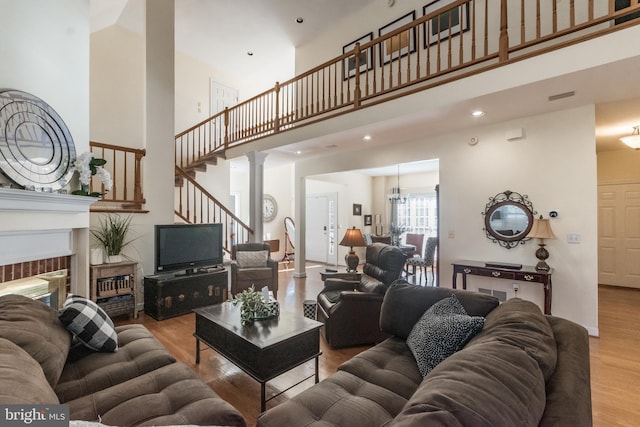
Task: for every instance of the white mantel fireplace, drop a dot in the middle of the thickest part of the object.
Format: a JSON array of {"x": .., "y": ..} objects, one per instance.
[{"x": 46, "y": 227}]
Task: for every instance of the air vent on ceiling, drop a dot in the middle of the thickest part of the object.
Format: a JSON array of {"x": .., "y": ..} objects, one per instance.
[{"x": 562, "y": 95}]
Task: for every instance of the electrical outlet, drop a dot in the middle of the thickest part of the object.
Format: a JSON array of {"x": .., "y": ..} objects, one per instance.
[{"x": 452, "y": 234}]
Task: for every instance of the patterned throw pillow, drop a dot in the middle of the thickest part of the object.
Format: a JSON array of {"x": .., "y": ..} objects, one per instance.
[
  {"x": 89, "y": 323},
  {"x": 252, "y": 259},
  {"x": 441, "y": 331}
]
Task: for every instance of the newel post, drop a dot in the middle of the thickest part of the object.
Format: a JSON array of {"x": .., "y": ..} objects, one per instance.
[
  {"x": 503, "y": 49},
  {"x": 356, "y": 90},
  {"x": 137, "y": 186},
  {"x": 276, "y": 121},
  {"x": 226, "y": 127}
]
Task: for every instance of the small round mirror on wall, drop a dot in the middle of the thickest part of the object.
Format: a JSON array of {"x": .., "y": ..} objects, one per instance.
[{"x": 508, "y": 218}]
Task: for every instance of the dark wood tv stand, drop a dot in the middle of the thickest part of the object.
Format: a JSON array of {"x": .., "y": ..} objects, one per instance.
[{"x": 169, "y": 295}]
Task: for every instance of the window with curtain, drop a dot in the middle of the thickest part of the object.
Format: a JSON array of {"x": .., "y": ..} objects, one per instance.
[{"x": 419, "y": 214}]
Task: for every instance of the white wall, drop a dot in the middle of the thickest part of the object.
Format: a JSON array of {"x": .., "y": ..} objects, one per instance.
[
  {"x": 117, "y": 87},
  {"x": 555, "y": 165},
  {"x": 44, "y": 48}
]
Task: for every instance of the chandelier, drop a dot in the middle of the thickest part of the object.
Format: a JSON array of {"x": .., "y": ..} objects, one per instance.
[
  {"x": 395, "y": 197},
  {"x": 633, "y": 140}
]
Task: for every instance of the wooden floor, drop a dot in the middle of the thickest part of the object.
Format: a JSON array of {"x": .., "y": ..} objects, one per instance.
[{"x": 615, "y": 355}]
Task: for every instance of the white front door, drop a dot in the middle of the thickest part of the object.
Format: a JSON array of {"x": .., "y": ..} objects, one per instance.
[
  {"x": 321, "y": 226},
  {"x": 619, "y": 235}
]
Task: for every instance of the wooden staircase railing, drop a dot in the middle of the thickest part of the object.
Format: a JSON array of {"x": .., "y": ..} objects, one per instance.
[
  {"x": 125, "y": 166},
  {"x": 195, "y": 205},
  {"x": 464, "y": 38},
  {"x": 412, "y": 58}
]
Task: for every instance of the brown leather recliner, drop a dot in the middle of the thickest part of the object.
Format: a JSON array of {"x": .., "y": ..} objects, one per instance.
[
  {"x": 350, "y": 309},
  {"x": 251, "y": 266}
]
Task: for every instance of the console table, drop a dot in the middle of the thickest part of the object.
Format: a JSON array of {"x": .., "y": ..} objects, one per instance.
[{"x": 527, "y": 273}]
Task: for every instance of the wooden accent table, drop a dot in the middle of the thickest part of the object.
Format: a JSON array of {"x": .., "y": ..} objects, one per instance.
[
  {"x": 264, "y": 349},
  {"x": 110, "y": 282},
  {"x": 527, "y": 273}
]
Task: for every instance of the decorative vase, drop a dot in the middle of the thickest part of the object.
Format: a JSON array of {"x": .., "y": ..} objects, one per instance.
[
  {"x": 112, "y": 259},
  {"x": 97, "y": 256},
  {"x": 84, "y": 188}
]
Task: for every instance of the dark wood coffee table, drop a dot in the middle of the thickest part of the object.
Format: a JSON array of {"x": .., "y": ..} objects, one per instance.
[{"x": 264, "y": 349}]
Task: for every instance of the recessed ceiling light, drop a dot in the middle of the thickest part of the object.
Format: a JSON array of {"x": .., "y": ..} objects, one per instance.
[
  {"x": 331, "y": 146},
  {"x": 366, "y": 138},
  {"x": 250, "y": 53},
  {"x": 478, "y": 113},
  {"x": 299, "y": 20},
  {"x": 298, "y": 152}
]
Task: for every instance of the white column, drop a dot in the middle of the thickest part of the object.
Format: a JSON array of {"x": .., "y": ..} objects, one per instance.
[
  {"x": 159, "y": 117},
  {"x": 256, "y": 191},
  {"x": 301, "y": 224}
]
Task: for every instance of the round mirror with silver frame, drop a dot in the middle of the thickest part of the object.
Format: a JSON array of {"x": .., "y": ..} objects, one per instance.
[
  {"x": 36, "y": 147},
  {"x": 508, "y": 218}
]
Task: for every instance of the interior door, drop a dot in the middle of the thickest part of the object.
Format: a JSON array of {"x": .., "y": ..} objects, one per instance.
[
  {"x": 619, "y": 235},
  {"x": 321, "y": 228}
]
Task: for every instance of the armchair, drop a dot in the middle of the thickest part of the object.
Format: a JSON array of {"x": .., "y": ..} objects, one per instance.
[
  {"x": 251, "y": 264},
  {"x": 349, "y": 305}
]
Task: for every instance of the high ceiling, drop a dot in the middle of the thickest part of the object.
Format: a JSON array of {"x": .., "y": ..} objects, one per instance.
[
  {"x": 213, "y": 29},
  {"x": 221, "y": 33}
]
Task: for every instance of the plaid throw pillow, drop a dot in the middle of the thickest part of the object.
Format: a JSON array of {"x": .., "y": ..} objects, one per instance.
[{"x": 89, "y": 323}]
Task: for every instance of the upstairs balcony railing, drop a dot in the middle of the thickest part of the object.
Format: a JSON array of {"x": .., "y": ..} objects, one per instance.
[
  {"x": 463, "y": 38},
  {"x": 125, "y": 166}
]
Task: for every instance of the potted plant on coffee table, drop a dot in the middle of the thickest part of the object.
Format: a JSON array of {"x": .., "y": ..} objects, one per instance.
[
  {"x": 254, "y": 307},
  {"x": 112, "y": 235}
]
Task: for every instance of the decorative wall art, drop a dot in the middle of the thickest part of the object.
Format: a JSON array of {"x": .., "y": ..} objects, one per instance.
[
  {"x": 36, "y": 147},
  {"x": 445, "y": 25},
  {"x": 366, "y": 57},
  {"x": 399, "y": 45},
  {"x": 357, "y": 209},
  {"x": 368, "y": 220}
]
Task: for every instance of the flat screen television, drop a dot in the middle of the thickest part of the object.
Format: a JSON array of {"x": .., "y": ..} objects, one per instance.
[{"x": 187, "y": 246}]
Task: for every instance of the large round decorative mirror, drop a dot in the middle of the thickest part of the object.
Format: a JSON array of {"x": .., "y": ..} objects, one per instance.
[
  {"x": 36, "y": 148},
  {"x": 508, "y": 218}
]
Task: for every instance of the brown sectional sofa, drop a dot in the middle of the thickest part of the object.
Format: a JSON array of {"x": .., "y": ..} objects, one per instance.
[
  {"x": 139, "y": 384},
  {"x": 522, "y": 369}
]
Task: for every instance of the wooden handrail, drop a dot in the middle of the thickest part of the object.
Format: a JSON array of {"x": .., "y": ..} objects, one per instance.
[
  {"x": 125, "y": 166},
  {"x": 488, "y": 35},
  {"x": 195, "y": 205},
  {"x": 480, "y": 43}
]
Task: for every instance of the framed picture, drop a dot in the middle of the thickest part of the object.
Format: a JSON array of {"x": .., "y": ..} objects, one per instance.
[
  {"x": 398, "y": 45},
  {"x": 366, "y": 57},
  {"x": 445, "y": 25},
  {"x": 357, "y": 209},
  {"x": 368, "y": 220}
]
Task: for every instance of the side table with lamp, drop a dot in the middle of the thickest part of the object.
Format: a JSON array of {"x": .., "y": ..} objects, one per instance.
[{"x": 352, "y": 238}]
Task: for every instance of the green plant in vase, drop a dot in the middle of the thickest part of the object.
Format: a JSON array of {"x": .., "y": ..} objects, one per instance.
[
  {"x": 112, "y": 235},
  {"x": 253, "y": 306}
]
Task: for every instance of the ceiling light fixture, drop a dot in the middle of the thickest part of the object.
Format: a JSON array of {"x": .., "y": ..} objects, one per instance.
[
  {"x": 633, "y": 140},
  {"x": 366, "y": 138},
  {"x": 299, "y": 20},
  {"x": 250, "y": 53},
  {"x": 478, "y": 113}
]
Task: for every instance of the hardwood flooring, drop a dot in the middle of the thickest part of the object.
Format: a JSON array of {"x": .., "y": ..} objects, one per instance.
[{"x": 615, "y": 355}]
